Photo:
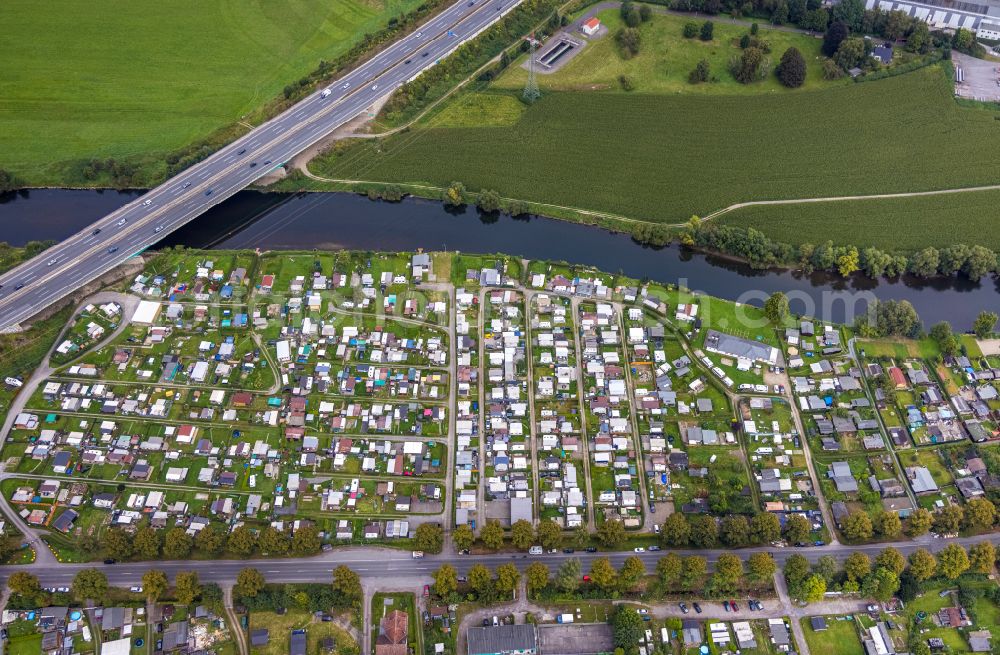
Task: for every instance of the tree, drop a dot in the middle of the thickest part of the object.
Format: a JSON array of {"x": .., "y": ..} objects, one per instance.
[
  {"x": 568, "y": 575},
  {"x": 980, "y": 513},
  {"x": 850, "y": 12},
  {"x": 629, "y": 41},
  {"x": 728, "y": 572},
  {"x": 145, "y": 543},
  {"x": 187, "y": 587},
  {"x": 797, "y": 529},
  {"x": 982, "y": 557},
  {"x": 924, "y": 263},
  {"x": 953, "y": 561},
  {"x": 480, "y": 579},
  {"x": 154, "y": 584},
  {"x": 676, "y": 530},
  {"x": 984, "y": 324},
  {"x": 891, "y": 559},
  {"x": 764, "y": 528},
  {"x": 704, "y": 531},
  {"x": 881, "y": 585},
  {"x": 630, "y": 14},
  {"x": 792, "y": 68},
  {"x": 429, "y": 537},
  {"x": 454, "y": 195},
  {"x": 603, "y": 574},
  {"x": 813, "y": 588},
  {"x": 700, "y": 73},
  {"x": 923, "y": 565},
  {"x": 632, "y": 571},
  {"x": 272, "y": 541},
  {"x": 947, "y": 342},
  {"x": 834, "y": 36},
  {"x": 117, "y": 544},
  {"x": 8, "y": 182},
  {"x": 210, "y": 540},
  {"x": 827, "y": 567},
  {"x": 549, "y": 534},
  {"x": 241, "y": 541},
  {"x": 488, "y": 201},
  {"x": 492, "y": 535},
  {"x": 627, "y": 628},
  {"x": 857, "y": 566},
  {"x": 750, "y": 66},
  {"x": 981, "y": 261},
  {"x": 90, "y": 584},
  {"x": 24, "y": 584},
  {"x": 919, "y": 37},
  {"x": 858, "y": 526},
  {"x": 645, "y": 13},
  {"x": 735, "y": 530},
  {"x": 536, "y": 576},
  {"x": 306, "y": 540},
  {"x": 888, "y": 525},
  {"x": 848, "y": 261},
  {"x": 963, "y": 40},
  {"x": 850, "y": 53},
  {"x": 507, "y": 578},
  {"x": 668, "y": 569},
  {"x": 796, "y": 571},
  {"x": 816, "y": 20},
  {"x": 707, "y": 30},
  {"x": 948, "y": 519},
  {"x": 919, "y": 522},
  {"x": 611, "y": 533},
  {"x": 463, "y": 537},
  {"x": 347, "y": 583},
  {"x": 177, "y": 544},
  {"x": 445, "y": 580},
  {"x": 250, "y": 581},
  {"x": 693, "y": 571},
  {"x": 761, "y": 567},
  {"x": 690, "y": 30},
  {"x": 522, "y": 534}
]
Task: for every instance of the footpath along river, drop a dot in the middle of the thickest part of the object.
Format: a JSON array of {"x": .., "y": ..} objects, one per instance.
[{"x": 272, "y": 221}]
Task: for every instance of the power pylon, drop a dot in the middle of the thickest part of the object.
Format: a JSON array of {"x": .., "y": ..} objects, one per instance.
[{"x": 531, "y": 92}]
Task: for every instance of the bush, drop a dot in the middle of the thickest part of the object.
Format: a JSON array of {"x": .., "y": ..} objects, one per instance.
[
  {"x": 628, "y": 40},
  {"x": 690, "y": 30},
  {"x": 700, "y": 73},
  {"x": 626, "y": 82},
  {"x": 707, "y": 29}
]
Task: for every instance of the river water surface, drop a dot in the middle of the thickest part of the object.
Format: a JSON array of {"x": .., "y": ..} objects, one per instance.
[{"x": 345, "y": 221}]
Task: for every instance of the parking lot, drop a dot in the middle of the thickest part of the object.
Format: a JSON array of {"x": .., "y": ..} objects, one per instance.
[
  {"x": 980, "y": 78},
  {"x": 575, "y": 639}
]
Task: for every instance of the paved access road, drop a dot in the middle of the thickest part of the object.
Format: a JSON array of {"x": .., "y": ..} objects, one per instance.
[
  {"x": 373, "y": 562},
  {"x": 83, "y": 257}
]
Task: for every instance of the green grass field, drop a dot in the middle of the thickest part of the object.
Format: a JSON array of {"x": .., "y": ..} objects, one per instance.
[
  {"x": 892, "y": 224},
  {"x": 666, "y": 58},
  {"x": 664, "y": 157},
  {"x": 124, "y": 79}
]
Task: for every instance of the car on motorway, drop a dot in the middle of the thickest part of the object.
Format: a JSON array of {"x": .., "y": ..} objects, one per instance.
[
  {"x": 208, "y": 193},
  {"x": 110, "y": 561},
  {"x": 20, "y": 285},
  {"x": 96, "y": 231},
  {"x": 159, "y": 228},
  {"x": 407, "y": 62},
  {"x": 187, "y": 184},
  {"x": 653, "y": 549},
  {"x": 242, "y": 150},
  {"x": 639, "y": 549},
  {"x": 252, "y": 164},
  {"x": 52, "y": 261},
  {"x": 112, "y": 250},
  {"x": 418, "y": 35},
  {"x": 347, "y": 85},
  {"x": 122, "y": 222},
  {"x": 425, "y": 54},
  {"x": 147, "y": 203},
  {"x": 374, "y": 86}
]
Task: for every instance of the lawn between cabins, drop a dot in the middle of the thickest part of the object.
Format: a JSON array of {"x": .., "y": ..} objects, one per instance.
[
  {"x": 642, "y": 155},
  {"x": 127, "y": 83}
]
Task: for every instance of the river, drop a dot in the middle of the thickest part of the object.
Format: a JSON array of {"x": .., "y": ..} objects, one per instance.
[{"x": 345, "y": 221}]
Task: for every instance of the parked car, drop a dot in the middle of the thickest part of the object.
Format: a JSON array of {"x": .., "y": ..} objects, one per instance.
[
  {"x": 697, "y": 608},
  {"x": 684, "y": 608},
  {"x": 725, "y": 604}
]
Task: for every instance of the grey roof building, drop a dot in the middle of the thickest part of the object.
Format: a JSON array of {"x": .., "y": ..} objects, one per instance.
[{"x": 503, "y": 640}]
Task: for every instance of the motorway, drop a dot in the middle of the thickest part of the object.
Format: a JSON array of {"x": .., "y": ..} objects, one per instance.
[
  {"x": 107, "y": 243},
  {"x": 373, "y": 562}
]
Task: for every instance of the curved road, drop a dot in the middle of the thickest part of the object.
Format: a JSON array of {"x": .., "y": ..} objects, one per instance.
[{"x": 60, "y": 270}]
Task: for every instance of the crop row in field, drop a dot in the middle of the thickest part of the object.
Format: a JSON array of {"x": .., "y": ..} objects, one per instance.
[{"x": 662, "y": 158}]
